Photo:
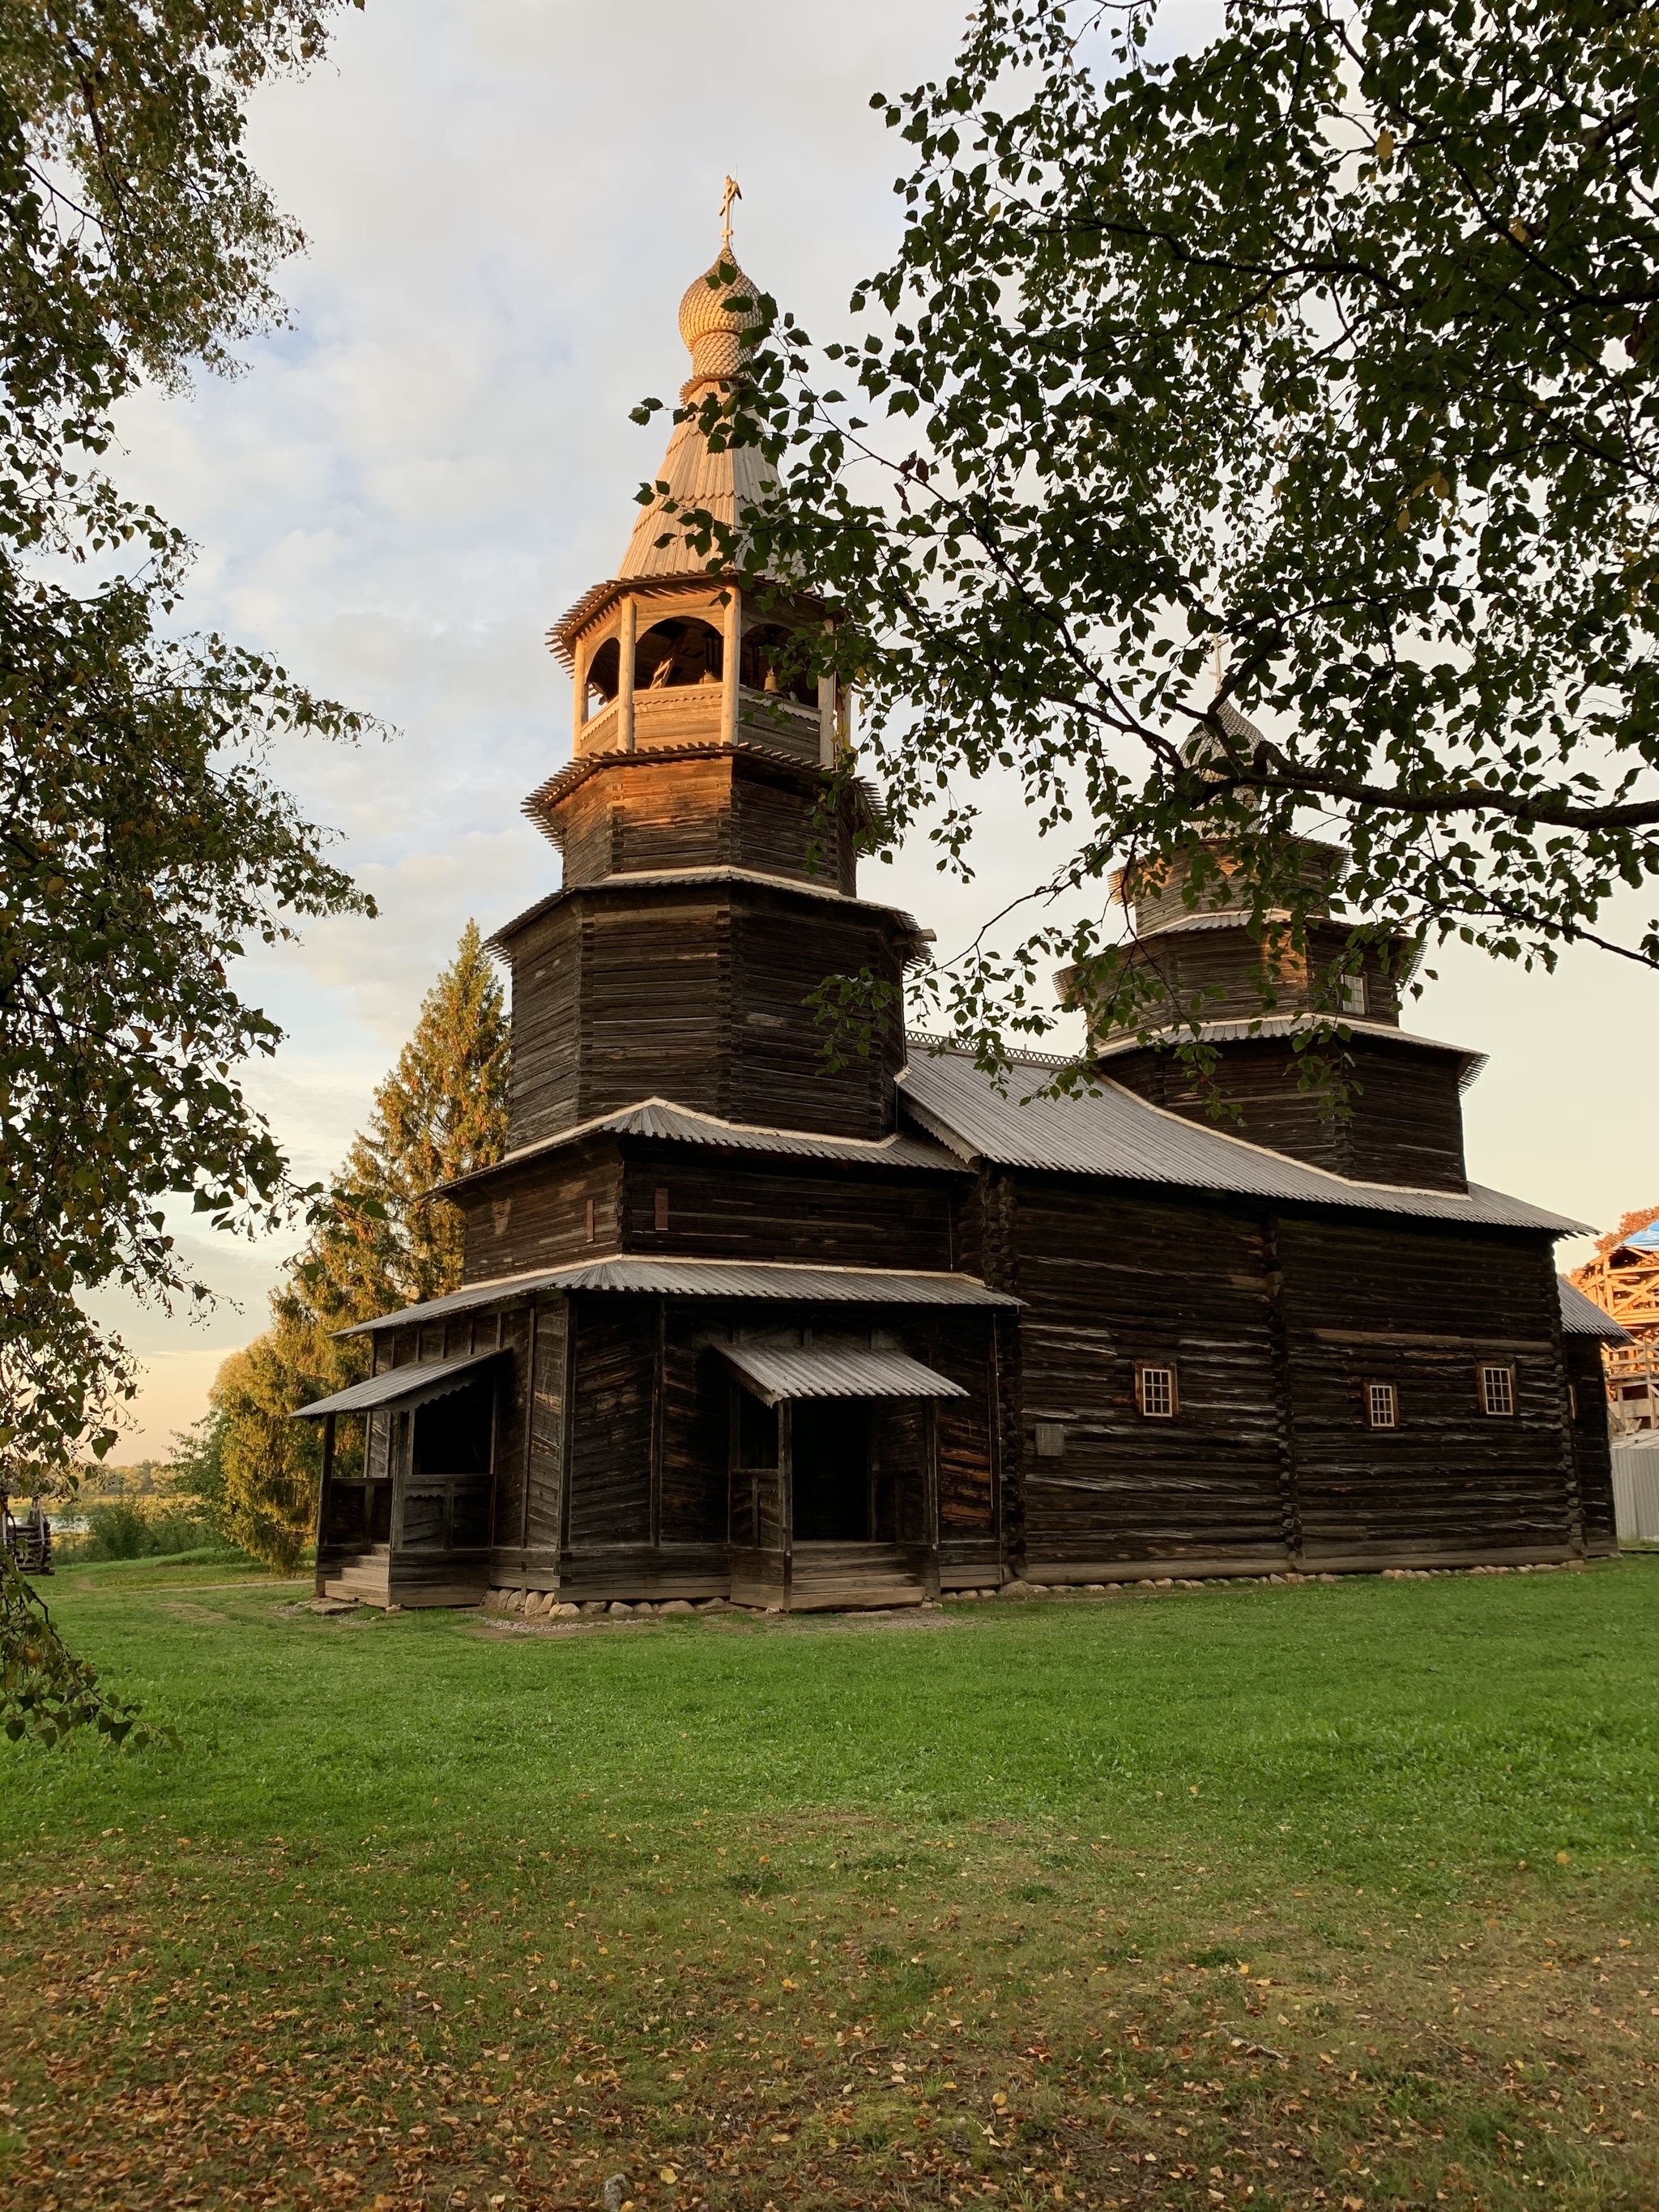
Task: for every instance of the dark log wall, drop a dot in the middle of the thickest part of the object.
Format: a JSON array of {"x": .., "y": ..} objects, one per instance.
[
  {"x": 757, "y": 1206},
  {"x": 613, "y": 1390},
  {"x": 1406, "y": 1124},
  {"x": 696, "y": 993},
  {"x": 1422, "y": 1307},
  {"x": 697, "y": 1390},
  {"x": 1591, "y": 1445},
  {"x": 963, "y": 1348},
  {"x": 1111, "y": 1281},
  {"x": 547, "y": 970},
  {"x": 778, "y": 1076},
  {"x": 547, "y": 1442},
  {"x": 721, "y": 1205},
  {"x": 1242, "y": 979},
  {"x": 714, "y": 809},
  {"x": 536, "y": 1216},
  {"x": 777, "y": 830},
  {"x": 1273, "y": 1325}
]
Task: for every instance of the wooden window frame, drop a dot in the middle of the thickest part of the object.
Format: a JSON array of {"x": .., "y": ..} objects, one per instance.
[
  {"x": 1354, "y": 996},
  {"x": 1374, "y": 1391},
  {"x": 1488, "y": 1368},
  {"x": 1163, "y": 1367},
  {"x": 659, "y": 1210}
]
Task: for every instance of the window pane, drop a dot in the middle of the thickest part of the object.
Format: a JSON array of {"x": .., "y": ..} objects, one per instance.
[
  {"x": 1498, "y": 1390},
  {"x": 1157, "y": 1392},
  {"x": 1381, "y": 1405}
]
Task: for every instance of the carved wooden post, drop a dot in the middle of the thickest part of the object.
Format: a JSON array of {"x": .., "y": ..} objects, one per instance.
[
  {"x": 625, "y": 648},
  {"x": 578, "y": 699},
  {"x": 323, "y": 1488},
  {"x": 732, "y": 651},
  {"x": 827, "y": 715}
]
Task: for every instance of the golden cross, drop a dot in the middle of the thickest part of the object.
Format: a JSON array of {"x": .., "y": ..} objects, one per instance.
[{"x": 733, "y": 192}]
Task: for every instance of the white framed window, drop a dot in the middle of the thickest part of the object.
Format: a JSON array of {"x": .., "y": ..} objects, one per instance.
[
  {"x": 1353, "y": 995},
  {"x": 1381, "y": 1406},
  {"x": 1496, "y": 1391},
  {"x": 1155, "y": 1393}
]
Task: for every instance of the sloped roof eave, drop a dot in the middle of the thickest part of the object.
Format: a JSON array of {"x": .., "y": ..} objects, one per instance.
[{"x": 1114, "y": 1133}]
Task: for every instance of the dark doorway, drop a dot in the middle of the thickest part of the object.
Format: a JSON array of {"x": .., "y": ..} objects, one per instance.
[{"x": 829, "y": 1459}]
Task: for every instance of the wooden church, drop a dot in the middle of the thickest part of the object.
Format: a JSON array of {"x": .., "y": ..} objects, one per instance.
[{"x": 734, "y": 1324}]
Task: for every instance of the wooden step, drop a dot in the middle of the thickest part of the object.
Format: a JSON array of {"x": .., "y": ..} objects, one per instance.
[{"x": 837, "y": 1578}]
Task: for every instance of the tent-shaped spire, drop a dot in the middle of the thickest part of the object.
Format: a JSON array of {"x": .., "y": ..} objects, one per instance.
[{"x": 716, "y": 317}]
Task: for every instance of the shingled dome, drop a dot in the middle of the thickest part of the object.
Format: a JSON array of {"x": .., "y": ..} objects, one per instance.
[{"x": 716, "y": 316}]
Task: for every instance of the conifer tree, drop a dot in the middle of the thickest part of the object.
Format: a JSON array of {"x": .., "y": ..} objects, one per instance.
[{"x": 382, "y": 1241}]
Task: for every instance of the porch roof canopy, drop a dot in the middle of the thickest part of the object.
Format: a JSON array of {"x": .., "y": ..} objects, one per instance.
[
  {"x": 712, "y": 1279},
  {"x": 834, "y": 1370},
  {"x": 400, "y": 1386}
]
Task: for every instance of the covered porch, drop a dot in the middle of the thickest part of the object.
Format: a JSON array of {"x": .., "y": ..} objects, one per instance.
[{"x": 410, "y": 1525}]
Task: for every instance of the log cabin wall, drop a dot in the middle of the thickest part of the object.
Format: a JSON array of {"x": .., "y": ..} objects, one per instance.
[
  {"x": 1114, "y": 1283},
  {"x": 1422, "y": 1306},
  {"x": 968, "y": 1350},
  {"x": 702, "y": 808},
  {"x": 695, "y": 993},
  {"x": 613, "y": 1384},
  {"x": 735, "y": 1206},
  {"x": 719, "y": 1205},
  {"x": 536, "y": 1216},
  {"x": 1272, "y": 1325},
  {"x": 1591, "y": 1445},
  {"x": 1405, "y": 1123},
  {"x": 1240, "y": 978},
  {"x": 1158, "y": 894}
]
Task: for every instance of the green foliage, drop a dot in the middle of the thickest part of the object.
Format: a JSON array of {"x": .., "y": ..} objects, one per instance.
[
  {"x": 118, "y": 1530},
  {"x": 382, "y": 1241},
  {"x": 142, "y": 841},
  {"x": 48, "y": 1695},
  {"x": 196, "y": 1475},
  {"x": 1328, "y": 346}
]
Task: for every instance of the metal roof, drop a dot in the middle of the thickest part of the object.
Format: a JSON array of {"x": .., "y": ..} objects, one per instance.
[
  {"x": 1110, "y": 1131},
  {"x": 1581, "y": 1316},
  {"x": 398, "y": 1386},
  {"x": 834, "y": 1370},
  {"x": 662, "y": 1118},
  {"x": 712, "y": 1279},
  {"x": 1281, "y": 1025}
]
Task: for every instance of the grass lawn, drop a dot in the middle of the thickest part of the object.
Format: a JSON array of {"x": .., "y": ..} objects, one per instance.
[{"x": 1339, "y": 1895}]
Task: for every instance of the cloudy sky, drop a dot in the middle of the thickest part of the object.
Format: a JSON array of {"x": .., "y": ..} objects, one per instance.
[{"x": 504, "y": 203}]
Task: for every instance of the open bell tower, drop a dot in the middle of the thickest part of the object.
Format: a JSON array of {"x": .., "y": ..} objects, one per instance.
[{"x": 710, "y": 878}]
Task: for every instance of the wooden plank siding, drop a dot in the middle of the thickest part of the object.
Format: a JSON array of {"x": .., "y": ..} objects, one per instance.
[
  {"x": 1203, "y": 1489},
  {"x": 1406, "y": 1125},
  {"x": 1274, "y": 1324},
  {"x": 613, "y": 1388},
  {"x": 695, "y": 993},
  {"x": 1591, "y": 1445},
  {"x": 537, "y": 1217},
  {"x": 739, "y": 1205},
  {"x": 1421, "y": 1307}
]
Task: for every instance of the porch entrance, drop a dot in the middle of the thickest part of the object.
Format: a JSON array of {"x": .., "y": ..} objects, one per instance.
[
  {"x": 834, "y": 1481},
  {"x": 830, "y": 1441}
]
